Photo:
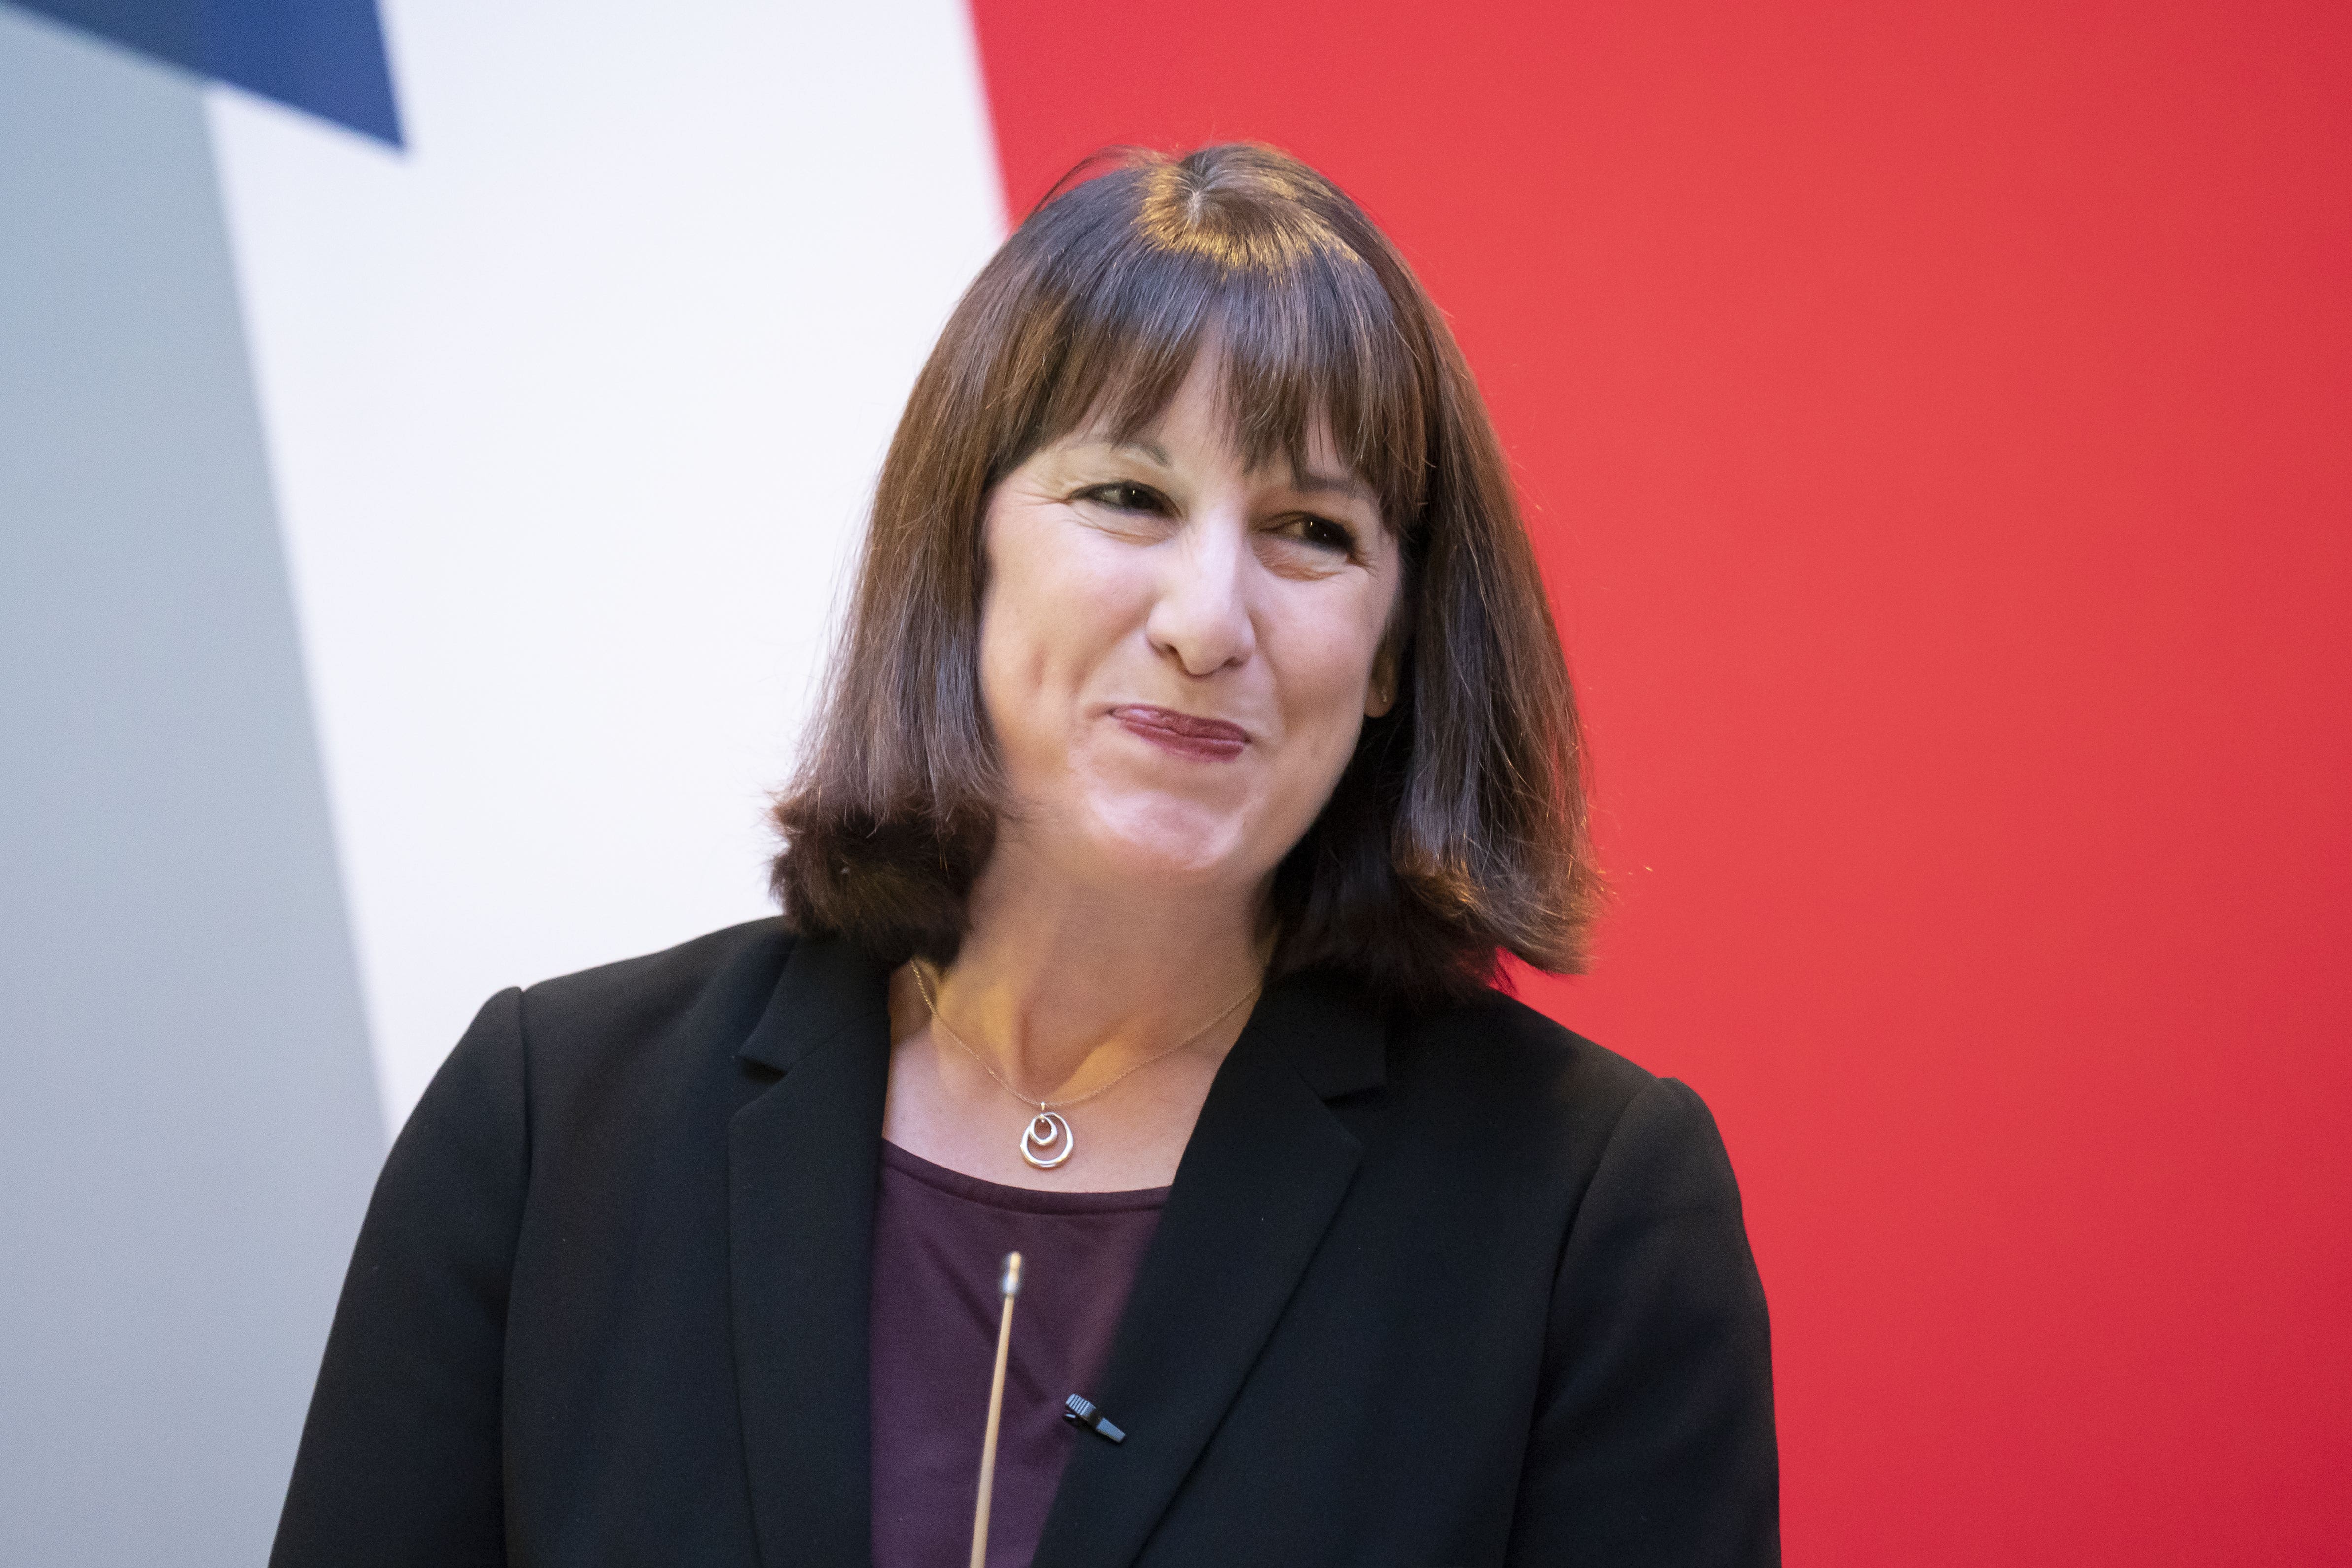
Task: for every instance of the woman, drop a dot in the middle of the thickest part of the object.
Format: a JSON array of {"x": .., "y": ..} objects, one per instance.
[{"x": 1198, "y": 741}]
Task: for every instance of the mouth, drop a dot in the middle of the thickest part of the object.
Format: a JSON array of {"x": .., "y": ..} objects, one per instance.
[{"x": 1186, "y": 735}]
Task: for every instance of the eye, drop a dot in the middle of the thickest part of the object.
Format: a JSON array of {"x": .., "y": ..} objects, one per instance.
[
  {"x": 1126, "y": 496},
  {"x": 1322, "y": 533}
]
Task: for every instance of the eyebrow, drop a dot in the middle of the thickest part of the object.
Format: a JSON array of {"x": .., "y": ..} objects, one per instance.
[{"x": 1341, "y": 483}]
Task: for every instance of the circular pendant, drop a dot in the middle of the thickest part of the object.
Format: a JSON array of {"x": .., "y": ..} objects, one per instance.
[{"x": 1046, "y": 1142}]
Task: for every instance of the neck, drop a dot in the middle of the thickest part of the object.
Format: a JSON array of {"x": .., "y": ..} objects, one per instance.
[{"x": 1060, "y": 984}]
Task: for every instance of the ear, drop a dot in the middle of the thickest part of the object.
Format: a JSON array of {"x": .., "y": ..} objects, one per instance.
[
  {"x": 1381, "y": 694},
  {"x": 1388, "y": 664}
]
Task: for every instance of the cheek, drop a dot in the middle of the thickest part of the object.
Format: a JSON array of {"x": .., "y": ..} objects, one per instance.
[
  {"x": 1327, "y": 672},
  {"x": 1049, "y": 617},
  {"x": 1015, "y": 668}
]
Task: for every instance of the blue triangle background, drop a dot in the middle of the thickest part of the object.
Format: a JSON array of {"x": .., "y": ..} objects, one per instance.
[{"x": 324, "y": 56}]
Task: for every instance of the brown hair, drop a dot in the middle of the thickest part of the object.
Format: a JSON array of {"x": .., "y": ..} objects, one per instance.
[{"x": 1459, "y": 829}]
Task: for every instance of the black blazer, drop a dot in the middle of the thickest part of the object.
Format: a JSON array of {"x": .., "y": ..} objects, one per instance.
[{"x": 1456, "y": 1289}]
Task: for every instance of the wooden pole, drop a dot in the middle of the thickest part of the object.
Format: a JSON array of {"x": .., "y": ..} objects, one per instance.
[{"x": 1008, "y": 1287}]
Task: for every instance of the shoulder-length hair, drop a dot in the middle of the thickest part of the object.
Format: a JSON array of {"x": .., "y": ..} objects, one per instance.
[{"x": 1459, "y": 829}]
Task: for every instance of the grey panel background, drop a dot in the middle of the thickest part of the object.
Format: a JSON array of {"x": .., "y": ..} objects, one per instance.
[{"x": 187, "y": 1118}]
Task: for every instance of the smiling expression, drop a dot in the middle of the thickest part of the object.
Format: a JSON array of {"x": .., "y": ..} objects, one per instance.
[{"x": 1177, "y": 653}]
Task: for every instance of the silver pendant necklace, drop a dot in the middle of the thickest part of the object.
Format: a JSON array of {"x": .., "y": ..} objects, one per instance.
[{"x": 1047, "y": 1140}]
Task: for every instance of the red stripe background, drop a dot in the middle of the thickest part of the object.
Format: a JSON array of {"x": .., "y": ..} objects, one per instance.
[{"x": 1934, "y": 419}]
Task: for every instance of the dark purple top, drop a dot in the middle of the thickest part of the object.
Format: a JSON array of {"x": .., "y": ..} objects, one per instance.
[{"x": 940, "y": 1242}]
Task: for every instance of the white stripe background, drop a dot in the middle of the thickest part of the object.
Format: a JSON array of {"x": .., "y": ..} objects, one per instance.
[{"x": 572, "y": 408}]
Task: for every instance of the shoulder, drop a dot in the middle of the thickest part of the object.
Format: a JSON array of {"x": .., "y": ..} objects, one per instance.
[
  {"x": 682, "y": 1010},
  {"x": 1497, "y": 1057},
  {"x": 574, "y": 1064},
  {"x": 1546, "y": 1103},
  {"x": 633, "y": 993}
]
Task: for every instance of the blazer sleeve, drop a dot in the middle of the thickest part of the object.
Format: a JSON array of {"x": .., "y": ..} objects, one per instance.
[
  {"x": 1653, "y": 1439},
  {"x": 400, "y": 1457}
]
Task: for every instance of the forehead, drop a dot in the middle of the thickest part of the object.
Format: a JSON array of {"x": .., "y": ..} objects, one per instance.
[
  {"x": 1306, "y": 366},
  {"x": 1206, "y": 411}
]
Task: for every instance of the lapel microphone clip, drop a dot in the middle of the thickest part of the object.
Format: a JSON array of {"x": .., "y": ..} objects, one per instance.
[{"x": 1081, "y": 1412}]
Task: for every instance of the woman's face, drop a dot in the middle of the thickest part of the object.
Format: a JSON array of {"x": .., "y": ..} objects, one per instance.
[{"x": 1176, "y": 653}]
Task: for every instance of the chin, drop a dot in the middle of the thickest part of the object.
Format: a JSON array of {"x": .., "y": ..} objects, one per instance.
[{"x": 1171, "y": 841}]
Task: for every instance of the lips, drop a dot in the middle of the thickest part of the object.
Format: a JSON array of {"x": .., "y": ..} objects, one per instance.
[{"x": 1187, "y": 735}]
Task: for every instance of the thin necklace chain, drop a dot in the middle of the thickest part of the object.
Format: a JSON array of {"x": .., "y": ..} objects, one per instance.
[{"x": 932, "y": 1006}]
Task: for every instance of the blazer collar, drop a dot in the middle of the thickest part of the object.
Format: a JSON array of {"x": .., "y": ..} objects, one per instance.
[
  {"x": 1320, "y": 1023},
  {"x": 802, "y": 1162},
  {"x": 1265, "y": 1172},
  {"x": 827, "y": 987}
]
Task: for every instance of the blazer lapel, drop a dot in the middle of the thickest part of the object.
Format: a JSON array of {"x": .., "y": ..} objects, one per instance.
[
  {"x": 802, "y": 1160},
  {"x": 1265, "y": 1172}
]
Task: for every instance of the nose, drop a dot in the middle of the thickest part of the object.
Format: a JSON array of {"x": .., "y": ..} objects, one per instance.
[{"x": 1200, "y": 615}]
